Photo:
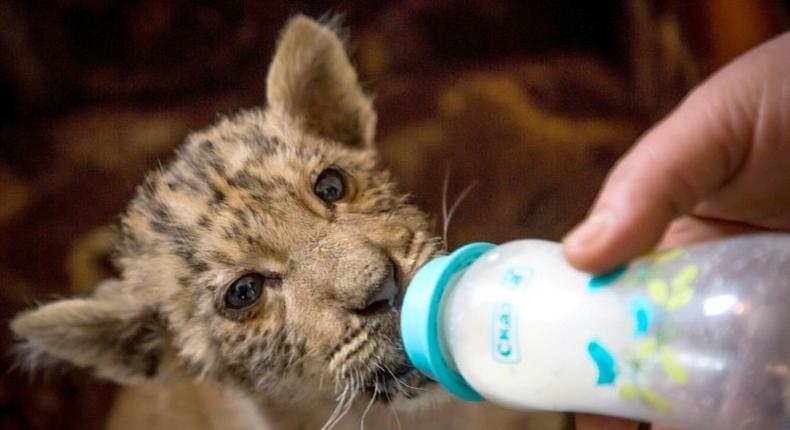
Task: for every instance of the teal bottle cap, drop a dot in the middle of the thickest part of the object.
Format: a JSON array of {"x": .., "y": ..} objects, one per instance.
[{"x": 420, "y": 314}]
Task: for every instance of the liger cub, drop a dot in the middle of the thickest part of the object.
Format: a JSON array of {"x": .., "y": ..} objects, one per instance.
[{"x": 261, "y": 272}]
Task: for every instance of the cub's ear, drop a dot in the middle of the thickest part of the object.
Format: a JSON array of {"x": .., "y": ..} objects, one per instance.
[
  {"x": 312, "y": 82},
  {"x": 118, "y": 339}
]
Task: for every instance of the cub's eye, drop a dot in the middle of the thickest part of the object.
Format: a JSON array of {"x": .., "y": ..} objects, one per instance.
[
  {"x": 330, "y": 186},
  {"x": 244, "y": 291}
]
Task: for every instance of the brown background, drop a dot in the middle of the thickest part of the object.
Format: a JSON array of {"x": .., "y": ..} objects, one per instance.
[{"x": 531, "y": 100}]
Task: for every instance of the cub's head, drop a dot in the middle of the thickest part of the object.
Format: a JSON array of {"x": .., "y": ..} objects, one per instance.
[{"x": 271, "y": 253}]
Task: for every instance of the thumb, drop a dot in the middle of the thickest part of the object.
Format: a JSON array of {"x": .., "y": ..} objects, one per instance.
[{"x": 676, "y": 164}]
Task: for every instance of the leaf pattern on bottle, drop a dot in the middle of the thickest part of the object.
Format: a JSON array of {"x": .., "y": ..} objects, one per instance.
[
  {"x": 666, "y": 293},
  {"x": 658, "y": 291},
  {"x": 655, "y": 400},
  {"x": 673, "y": 368}
]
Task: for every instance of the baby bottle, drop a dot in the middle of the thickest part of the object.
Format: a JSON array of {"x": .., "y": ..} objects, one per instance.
[{"x": 695, "y": 338}]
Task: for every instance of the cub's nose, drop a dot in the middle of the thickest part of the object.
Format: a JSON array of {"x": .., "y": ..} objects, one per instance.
[{"x": 386, "y": 293}]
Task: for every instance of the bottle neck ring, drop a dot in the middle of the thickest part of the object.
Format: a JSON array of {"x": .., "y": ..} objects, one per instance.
[{"x": 420, "y": 318}]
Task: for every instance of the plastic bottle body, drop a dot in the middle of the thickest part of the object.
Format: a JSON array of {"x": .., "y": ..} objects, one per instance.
[{"x": 696, "y": 338}]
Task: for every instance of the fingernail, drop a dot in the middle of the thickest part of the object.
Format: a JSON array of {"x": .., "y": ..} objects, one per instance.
[{"x": 590, "y": 233}]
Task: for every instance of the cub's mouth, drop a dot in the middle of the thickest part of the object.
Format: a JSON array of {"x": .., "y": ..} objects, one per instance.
[
  {"x": 401, "y": 381},
  {"x": 371, "y": 360}
]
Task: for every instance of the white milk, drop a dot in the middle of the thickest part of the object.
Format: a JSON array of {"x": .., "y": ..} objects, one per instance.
[{"x": 696, "y": 338}]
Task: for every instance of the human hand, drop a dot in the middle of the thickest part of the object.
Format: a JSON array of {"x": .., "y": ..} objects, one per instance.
[{"x": 718, "y": 165}]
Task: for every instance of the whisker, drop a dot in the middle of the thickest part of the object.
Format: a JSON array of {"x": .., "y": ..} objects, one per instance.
[
  {"x": 445, "y": 223},
  {"x": 386, "y": 368},
  {"x": 447, "y": 215},
  {"x": 332, "y": 418},
  {"x": 349, "y": 404},
  {"x": 367, "y": 409},
  {"x": 401, "y": 383},
  {"x": 394, "y": 413},
  {"x": 346, "y": 400}
]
